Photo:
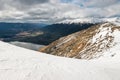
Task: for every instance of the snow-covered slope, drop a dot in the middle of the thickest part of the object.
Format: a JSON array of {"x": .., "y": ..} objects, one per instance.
[
  {"x": 21, "y": 64},
  {"x": 99, "y": 40}
]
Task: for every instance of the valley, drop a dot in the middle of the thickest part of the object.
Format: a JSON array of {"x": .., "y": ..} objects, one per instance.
[{"x": 37, "y": 34}]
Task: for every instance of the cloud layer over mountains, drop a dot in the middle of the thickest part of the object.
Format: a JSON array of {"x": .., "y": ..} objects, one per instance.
[{"x": 51, "y": 11}]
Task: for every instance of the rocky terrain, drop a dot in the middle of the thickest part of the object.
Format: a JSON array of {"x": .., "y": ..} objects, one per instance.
[{"x": 87, "y": 44}]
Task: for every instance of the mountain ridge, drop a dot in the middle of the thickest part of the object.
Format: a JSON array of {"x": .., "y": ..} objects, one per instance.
[
  {"x": 86, "y": 44},
  {"x": 92, "y": 20}
]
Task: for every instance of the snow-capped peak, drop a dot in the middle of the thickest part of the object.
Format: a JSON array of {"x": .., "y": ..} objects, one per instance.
[{"x": 92, "y": 20}]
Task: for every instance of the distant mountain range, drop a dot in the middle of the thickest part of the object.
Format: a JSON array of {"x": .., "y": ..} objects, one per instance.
[
  {"x": 44, "y": 34},
  {"x": 92, "y": 20}
]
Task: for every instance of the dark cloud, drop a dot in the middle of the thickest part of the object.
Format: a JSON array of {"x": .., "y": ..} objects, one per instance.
[
  {"x": 20, "y": 4},
  {"x": 31, "y": 2}
]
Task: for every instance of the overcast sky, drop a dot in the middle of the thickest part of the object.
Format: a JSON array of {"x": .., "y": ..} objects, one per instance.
[{"x": 52, "y": 11}]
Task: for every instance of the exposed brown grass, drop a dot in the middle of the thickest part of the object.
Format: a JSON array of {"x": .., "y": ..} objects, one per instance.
[{"x": 79, "y": 46}]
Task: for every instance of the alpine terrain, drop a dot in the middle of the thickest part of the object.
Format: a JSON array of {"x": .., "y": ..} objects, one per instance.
[
  {"x": 94, "y": 42},
  {"x": 59, "y": 39}
]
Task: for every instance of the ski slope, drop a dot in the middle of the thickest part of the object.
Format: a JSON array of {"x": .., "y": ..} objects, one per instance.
[{"x": 17, "y": 63}]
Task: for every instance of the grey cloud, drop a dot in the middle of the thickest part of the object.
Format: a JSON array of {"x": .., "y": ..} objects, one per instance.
[
  {"x": 101, "y": 3},
  {"x": 95, "y": 3},
  {"x": 51, "y": 11},
  {"x": 20, "y": 4},
  {"x": 30, "y": 2}
]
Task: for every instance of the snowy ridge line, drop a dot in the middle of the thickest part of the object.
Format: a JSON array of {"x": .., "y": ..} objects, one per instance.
[
  {"x": 92, "y": 20},
  {"x": 90, "y": 43}
]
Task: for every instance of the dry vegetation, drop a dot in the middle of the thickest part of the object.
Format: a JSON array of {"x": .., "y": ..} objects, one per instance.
[{"x": 79, "y": 45}]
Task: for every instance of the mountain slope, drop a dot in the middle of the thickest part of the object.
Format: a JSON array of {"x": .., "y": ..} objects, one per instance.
[
  {"x": 21, "y": 64},
  {"x": 87, "y": 44}
]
